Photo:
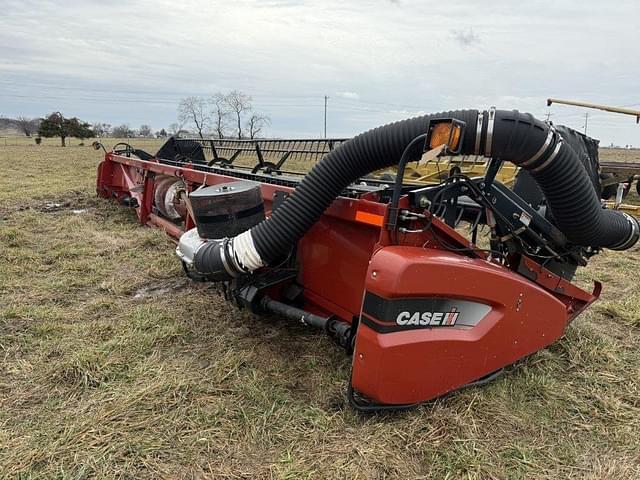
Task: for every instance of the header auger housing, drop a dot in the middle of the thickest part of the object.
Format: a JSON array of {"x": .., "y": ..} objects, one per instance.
[{"x": 378, "y": 263}]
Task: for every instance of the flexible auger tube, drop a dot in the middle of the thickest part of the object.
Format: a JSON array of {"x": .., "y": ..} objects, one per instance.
[
  {"x": 554, "y": 165},
  {"x": 509, "y": 135},
  {"x": 378, "y": 148}
]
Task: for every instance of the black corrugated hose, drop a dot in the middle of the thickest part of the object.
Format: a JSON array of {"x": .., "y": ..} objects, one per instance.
[{"x": 508, "y": 135}]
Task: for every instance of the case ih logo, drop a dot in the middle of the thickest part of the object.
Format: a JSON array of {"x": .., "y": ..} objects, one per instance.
[
  {"x": 435, "y": 319},
  {"x": 388, "y": 315}
]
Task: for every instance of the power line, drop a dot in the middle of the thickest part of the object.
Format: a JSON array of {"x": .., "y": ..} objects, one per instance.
[
  {"x": 90, "y": 99},
  {"x": 359, "y": 103},
  {"x": 390, "y": 104},
  {"x": 141, "y": 100},
  {"x": 116, "y": 90},
  {"x": 153, "y": 101}
]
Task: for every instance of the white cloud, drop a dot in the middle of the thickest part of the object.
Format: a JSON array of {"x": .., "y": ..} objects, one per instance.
[
  {"x": 348, "y": 95},
  {"x": 131, "y": 61}
]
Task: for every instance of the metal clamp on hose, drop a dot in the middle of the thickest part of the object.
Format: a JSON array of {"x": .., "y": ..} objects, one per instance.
[
  {"x": 476, "y": 150},
  {"x": 553, "y": 155},
  {"x": 213, "y": 258},
  {"x": 633, "y": 236},
  {"x": 543, "y": 148},
  {"x": 490, "y": 124},
  {"x": 227, "y": 258}
]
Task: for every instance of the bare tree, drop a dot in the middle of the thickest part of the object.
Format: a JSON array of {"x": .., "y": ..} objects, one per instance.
[
  {"x": 174, "y": 128},
  {"x": 220, "y": 113},
  {"x": 193, "y": 111},
  {"x": 145, "y": 130},
  {"x": 177, "y": 129},
  {"x": 239, "y": 103},
  {"x": 256, "y": 123},
  {"x": 102, "y": 129},
  {"x": 122, "y": 131},
  {"x": 26, "y": 125}
]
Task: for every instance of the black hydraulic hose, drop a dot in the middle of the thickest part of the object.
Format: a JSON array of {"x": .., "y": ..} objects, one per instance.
[
  {"x": 508, "y": 135},
  {"x": 411, "y": 153},
  {"x": 273, "y": 306}
]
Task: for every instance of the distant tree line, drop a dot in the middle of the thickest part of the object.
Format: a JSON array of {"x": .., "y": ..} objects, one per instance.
[
  {"x": 24, "y": 125},
  {"x": 221, "y": 115},
  {"x": 125, "y": 131}
]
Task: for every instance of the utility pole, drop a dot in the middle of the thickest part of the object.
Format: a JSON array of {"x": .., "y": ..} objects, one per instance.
[
  {"x": 325, "y": 116},
  {"x": 586, "y": 121}
]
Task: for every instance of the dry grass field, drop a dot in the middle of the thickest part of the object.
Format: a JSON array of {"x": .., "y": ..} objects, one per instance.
[
  {"x": 620, "y": 155},
  {"x": 113, "y": 365}
]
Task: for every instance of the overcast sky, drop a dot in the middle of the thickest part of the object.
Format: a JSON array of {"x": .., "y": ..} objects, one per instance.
[{"x": 130, "y": 61}]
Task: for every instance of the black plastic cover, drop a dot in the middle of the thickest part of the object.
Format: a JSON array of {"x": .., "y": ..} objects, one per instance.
[
  {"x": 184, "y": 150},
  {"x": 227, "y": 209},
  {"x": 587, "y": 150}
]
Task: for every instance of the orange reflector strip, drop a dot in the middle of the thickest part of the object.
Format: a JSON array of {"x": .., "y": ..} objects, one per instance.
[{"x": 370, "y": 218}]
